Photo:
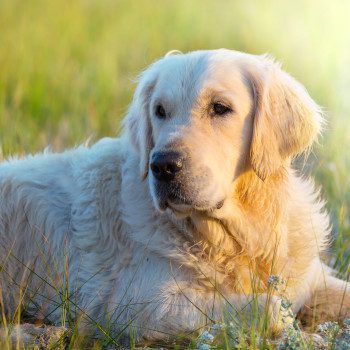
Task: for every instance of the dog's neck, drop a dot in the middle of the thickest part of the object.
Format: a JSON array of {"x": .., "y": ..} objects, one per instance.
[{"x": 253, "y": 226}]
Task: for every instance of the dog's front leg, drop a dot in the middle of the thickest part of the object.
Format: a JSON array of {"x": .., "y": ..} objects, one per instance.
[
  {"x": 191, "y": 310},
  {"x": 329, "y": 302}
]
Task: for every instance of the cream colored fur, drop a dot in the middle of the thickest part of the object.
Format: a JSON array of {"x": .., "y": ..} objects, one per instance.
[{"x": 94, "y": 214}]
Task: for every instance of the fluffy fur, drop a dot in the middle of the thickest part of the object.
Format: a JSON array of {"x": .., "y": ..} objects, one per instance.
[{"x": 93, "y": 225}]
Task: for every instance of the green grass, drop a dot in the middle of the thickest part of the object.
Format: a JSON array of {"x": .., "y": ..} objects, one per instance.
[{"x": 67, "y": 69}]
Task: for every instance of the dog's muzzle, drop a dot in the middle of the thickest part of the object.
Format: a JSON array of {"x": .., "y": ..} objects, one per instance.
[{"x": 173, "y": 185}]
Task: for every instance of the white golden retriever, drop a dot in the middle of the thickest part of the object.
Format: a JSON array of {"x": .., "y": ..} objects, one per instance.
[{"x": 183, "y": 218}]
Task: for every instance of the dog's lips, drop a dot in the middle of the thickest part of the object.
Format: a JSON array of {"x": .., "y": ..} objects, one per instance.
[
  {"x": 186, "y": 209},
  {"x": 182, "y": 205},
  {"x": 182, "y": 209}
]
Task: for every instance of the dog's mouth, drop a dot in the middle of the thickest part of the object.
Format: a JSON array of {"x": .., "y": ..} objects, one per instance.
[
  {"x": 184, "y": 200},
  {"x": 184, "y": 207}
]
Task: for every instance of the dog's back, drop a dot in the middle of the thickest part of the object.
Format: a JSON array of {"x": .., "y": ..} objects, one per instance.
[{"x": 48, "y": 209}]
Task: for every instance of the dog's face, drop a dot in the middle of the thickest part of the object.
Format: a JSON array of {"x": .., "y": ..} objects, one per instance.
[{"x": 200, "y": 120}]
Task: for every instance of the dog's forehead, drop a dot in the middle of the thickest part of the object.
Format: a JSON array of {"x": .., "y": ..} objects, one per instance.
[
  {"x": 194, "y": 65},
  {"x": 226, "y": 70},
  {"x": 183, "y": 71},
  {"x": 194, "y": 72}
]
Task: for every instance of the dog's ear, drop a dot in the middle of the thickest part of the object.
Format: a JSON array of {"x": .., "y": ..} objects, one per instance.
[
  {"x": 286, "y": 119},
  {"x": 138, "y": 123}
]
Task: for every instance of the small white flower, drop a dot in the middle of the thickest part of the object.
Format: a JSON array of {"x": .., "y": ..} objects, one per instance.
[
  {"x": 203, "y": 346},
  {"x": 328, "y": 327},
  {"x": 204, "y": 341},
  {"x": 215, "y": 328},
  {"x": 346, "y": 322},
  {"x": 275, "y": 281},
  {"x": 206, "y": 337}
]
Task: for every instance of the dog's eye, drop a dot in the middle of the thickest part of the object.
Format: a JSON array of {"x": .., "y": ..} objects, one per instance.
[
  {"x": 160, "y": 112},
  {"x": 221, "y": 109}
]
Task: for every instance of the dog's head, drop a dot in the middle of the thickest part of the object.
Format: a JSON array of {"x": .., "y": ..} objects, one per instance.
[{"x": 199, "y": 120}]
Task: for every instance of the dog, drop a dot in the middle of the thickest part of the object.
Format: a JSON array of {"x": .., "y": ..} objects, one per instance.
[{"x": 184, "y": 218}]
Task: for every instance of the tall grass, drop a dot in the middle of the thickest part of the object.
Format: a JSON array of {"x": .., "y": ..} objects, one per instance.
[{"x": 67, "y": 69}]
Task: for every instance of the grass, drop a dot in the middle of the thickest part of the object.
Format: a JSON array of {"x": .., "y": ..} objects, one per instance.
[{"x": 67, "y": 70}]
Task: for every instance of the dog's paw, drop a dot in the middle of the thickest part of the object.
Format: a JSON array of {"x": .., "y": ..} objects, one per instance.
[{"x": 280, "y": 314}]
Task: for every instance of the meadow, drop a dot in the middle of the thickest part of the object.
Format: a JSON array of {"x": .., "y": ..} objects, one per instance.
[{"x": 68, "y": 69}]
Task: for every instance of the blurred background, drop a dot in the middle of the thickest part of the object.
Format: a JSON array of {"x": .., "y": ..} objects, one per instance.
[{"x": 67, "y": 69}]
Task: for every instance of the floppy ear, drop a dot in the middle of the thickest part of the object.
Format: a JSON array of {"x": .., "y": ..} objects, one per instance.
[
  {"x": 138, "y": 123},
  {"x": 286, "y": 119}
]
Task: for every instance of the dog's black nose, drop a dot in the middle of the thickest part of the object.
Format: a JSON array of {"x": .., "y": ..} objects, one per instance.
[{"x": 165, "y": 165}]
